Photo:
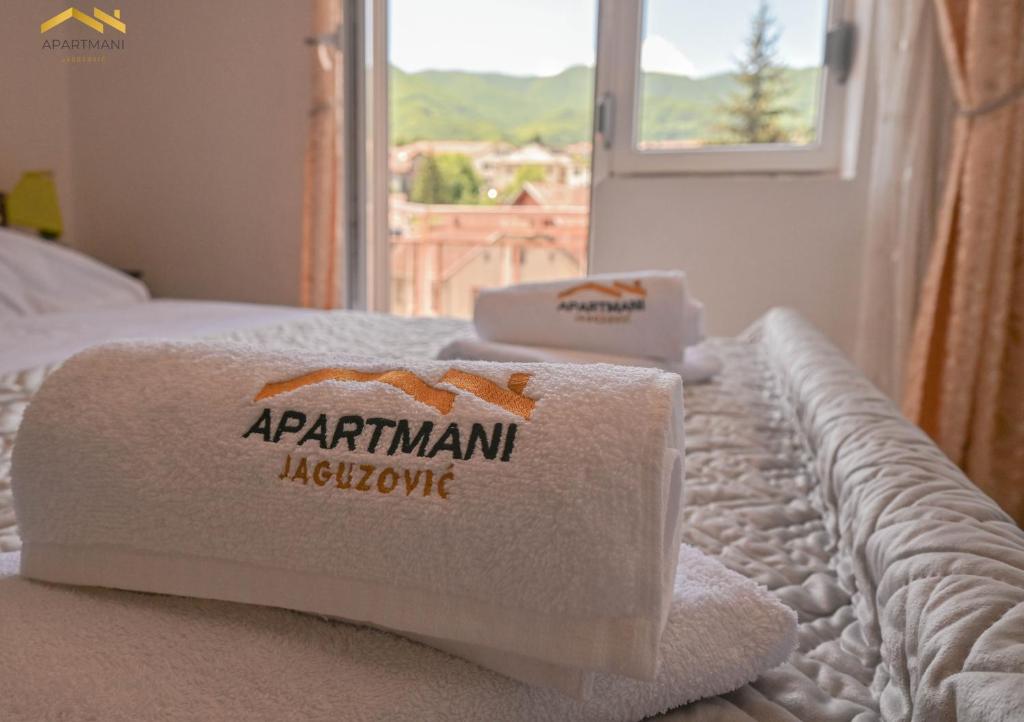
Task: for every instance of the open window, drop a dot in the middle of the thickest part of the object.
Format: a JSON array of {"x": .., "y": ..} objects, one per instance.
[
  {"x": 744, "y": 86},
  {"x": 474, "y": 160},
  {"x": 674, "y": 87}
]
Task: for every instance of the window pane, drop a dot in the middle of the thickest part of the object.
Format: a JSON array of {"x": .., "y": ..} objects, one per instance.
[
  {"x": 490, "y": 124},
  {"x": 728, "y": 73}
]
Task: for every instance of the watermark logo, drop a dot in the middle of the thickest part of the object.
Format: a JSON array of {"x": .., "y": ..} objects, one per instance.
[{"x": 97, "y": 21}]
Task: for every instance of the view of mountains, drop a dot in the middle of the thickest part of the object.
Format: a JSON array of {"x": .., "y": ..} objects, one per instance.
[{"x": 450, "y": 105}]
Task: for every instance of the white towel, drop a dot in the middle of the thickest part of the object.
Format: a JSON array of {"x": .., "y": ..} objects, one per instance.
[
  {"x": 646, "y": 314},
  {"x": 698, "y": 364},
  {"x": 74, "y": 653},
  {"x": 539, "y": 515}
]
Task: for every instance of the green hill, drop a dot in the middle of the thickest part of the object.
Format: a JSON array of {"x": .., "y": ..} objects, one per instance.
[{"x": 449, "y": 105}]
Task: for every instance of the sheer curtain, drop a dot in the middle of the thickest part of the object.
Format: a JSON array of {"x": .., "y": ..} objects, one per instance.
[
  {"x": 912, "y": 111},
  {"x": 965, "y": 379},
  {"x": 322, "y": 250}
]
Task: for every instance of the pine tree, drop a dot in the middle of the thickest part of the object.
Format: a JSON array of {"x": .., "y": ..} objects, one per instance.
[{"x": 753, "y": 113}]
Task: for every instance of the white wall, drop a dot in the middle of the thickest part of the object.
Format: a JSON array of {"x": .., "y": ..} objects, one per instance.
[
  {"x": 34, "y": 117},
  {"x": 747, "y": 244},
  {"x": 188, "y": 148}
]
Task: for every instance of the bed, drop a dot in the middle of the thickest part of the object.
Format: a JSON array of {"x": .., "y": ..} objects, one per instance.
[
  {"x": 55, "y": 301},
  {"x": 907, "y": 580}
]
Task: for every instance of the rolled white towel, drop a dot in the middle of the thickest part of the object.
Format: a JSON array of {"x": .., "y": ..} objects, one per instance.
[
  {"x": 77, "y": 653},
  {"x": 531, "y": 511},
  {"x": 698, "y": 364},
  {"x": 645, "y": 314}
]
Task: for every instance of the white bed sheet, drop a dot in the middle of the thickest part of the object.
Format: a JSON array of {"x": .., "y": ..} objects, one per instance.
[{"x": 42, "y": 339}]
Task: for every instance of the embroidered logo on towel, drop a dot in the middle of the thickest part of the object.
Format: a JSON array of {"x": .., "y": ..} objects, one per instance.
[
  {"x": 511, "y": 398},
  {"x": 603, "y": 303},
  {"x": 390, "y": 437}
]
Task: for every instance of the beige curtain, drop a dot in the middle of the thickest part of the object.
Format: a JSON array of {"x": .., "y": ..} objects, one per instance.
[
  {"x": 912, "y": 117},
  {"x": 322, "y": 253},
  {"x": 965, "y": 377}
]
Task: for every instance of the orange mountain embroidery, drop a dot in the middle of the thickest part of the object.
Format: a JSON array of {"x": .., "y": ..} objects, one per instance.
[
  {"x": 511, "y": 399},
  {"x": 405, "y": 381},
  {"x": 615, "y": 290}
]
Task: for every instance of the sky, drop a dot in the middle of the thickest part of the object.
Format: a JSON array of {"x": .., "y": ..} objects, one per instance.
[{"x": 544, "y": 37}]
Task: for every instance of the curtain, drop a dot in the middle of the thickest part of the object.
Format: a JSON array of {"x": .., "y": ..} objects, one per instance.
[
  {"x": 322, "y": 255},
  {"x": 911, "y": 118},
  {"x": 965, "y": 377}
]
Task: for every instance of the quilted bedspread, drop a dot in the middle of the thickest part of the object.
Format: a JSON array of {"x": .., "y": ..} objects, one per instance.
[{"x": 908, "y": 581}]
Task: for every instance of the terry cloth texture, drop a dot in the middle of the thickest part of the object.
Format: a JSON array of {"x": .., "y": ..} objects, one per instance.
[
  {"x": 533, "y": 511},
  {"x": 908, "y": 581},
  {"x": 77, "y": 653},
  {"x": 645, "y": 314},
  {"x": 698, "y": 365}
]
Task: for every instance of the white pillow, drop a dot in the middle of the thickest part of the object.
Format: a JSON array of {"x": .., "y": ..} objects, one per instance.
[{"x": 38, "y": 276}]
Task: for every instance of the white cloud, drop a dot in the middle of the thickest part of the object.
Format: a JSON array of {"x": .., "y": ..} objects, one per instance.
[{"x": 659, "y": 55}]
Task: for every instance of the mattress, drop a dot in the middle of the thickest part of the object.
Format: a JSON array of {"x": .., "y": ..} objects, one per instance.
[{"x": 908, "y": 582}]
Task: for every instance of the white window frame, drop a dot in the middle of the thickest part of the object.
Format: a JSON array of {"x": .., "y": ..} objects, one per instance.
[
  {"x": 367, "y": 237},
  {"x": 618, "y": 86},
  {"x": 378, "y": 284}
]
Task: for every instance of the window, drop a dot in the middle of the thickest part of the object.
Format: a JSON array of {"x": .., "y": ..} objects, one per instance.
[
  {"x": 738, "y": 86},
  {"x": 490, "y": 108},
  {"x": 478, "y": 141}
]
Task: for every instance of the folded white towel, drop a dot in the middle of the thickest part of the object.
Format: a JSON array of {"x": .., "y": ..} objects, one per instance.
[
  {"x": 647, "y": 314},
  {"x": 698, "y": 364},
  {"x": 531, "y": 511},
  {"x": 75, "y": 653}
]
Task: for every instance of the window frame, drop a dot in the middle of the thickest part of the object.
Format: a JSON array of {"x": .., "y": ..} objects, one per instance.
[
  {"x": 370, "y": 63},
  {"x": 618, "y": 88}
]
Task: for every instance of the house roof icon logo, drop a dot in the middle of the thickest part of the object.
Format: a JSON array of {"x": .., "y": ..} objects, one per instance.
[{"x": 97, "y": 21}]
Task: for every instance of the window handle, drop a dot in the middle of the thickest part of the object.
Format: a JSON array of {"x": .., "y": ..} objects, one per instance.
[
  {"x": 840, "y": 43},
  {"x": 604, "y": 118},
  {"x": 332, "y": 40}
]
